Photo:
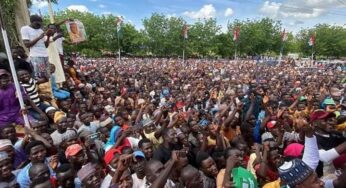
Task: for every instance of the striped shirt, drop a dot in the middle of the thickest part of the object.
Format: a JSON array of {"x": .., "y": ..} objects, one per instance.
[{"x": 32, "y": 90}]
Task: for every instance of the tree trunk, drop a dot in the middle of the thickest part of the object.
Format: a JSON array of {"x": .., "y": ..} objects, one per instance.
[{"x": 21, "y": 18}]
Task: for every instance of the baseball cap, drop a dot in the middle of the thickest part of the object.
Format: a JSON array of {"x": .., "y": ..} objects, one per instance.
[
  {"x": 138, "y": 154},
  {"x": 72, "y": 150}
]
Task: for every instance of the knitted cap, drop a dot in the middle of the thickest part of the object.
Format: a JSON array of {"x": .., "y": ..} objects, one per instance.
[
  {"x": 5, "y": 142},
  {"x": 294, "y": 172},
  {"x": 86, "y": 171}
]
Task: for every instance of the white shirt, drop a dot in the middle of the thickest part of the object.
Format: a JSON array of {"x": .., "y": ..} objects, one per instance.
[
  {"x": 169, "y": 184},
  {"x": 137, "y": 183},
  {"x": 58, "y": 44},
  {"x": 39, "y": 49},
  {"x": 58, "y": 137},
  {"x": 92, "y": 127},
  {"x": 106, "y": 181}
]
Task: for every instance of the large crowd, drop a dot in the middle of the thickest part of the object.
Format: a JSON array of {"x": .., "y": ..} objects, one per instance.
[{"x": 160, "y": 122}]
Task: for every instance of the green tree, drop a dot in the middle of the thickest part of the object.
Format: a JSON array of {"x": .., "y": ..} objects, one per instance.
[
  {"x": 202, "y": 38},
  {"x": 258, "y": 36},
  {"x": 330, "y": 41}
]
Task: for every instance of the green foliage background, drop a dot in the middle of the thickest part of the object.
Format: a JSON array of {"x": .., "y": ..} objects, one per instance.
[{"x": 161, "y": 36}]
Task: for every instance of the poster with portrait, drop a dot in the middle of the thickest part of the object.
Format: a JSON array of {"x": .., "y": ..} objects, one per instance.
[{"x": 76, "y": 31}]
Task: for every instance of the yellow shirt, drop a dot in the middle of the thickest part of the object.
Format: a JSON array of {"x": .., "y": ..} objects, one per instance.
[{"x": 274, "y": 184}]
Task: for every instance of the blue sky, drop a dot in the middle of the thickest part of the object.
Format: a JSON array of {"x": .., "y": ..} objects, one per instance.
[{"x": 294, "y": 14}]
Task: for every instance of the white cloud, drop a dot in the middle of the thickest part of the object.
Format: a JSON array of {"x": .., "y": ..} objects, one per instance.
[
  {"x": 322, "y": 3},
  {"x": 270, "y": 9},
  {"x": 39, "y": 4},
  {"x": 102, "y": 6},
  {"x": 207, "y": 11},
  {"x": 80, "y": 8},
  {"x": 298, "y": 9},
  {"x": 314, "y": 13},
  {"x": 229, "y": 12}
]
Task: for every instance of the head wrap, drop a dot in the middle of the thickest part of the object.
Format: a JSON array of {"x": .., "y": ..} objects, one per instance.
[
  {"x": 294, "y": 172},
  {"x": 113, "y": 136},
  {"x": 86, "y": 171},
  {"x": 58, "y": 115}
]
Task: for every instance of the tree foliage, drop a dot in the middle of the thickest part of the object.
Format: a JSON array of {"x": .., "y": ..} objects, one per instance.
[
  {"x": 162, "y": 36},
  {"x": 330, "y": 41},
  {"x": 7, "y": 10}
]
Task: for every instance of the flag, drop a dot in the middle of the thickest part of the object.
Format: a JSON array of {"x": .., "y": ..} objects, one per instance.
[
  {"x": 185, "y": 31},
  {"x": 236, "y": 34},
  {"x": 284, "y": 35},
  {"x": 312, "y": 40},
  {"x": 119, "y": 24}
]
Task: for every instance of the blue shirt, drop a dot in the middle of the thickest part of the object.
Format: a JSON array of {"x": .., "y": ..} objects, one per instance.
[{"x": 23, "y": 177}]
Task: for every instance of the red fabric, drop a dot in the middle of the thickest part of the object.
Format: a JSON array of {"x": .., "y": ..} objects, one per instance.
[
  {"x": 320, "y": 115},
  {"x": 270, "y": 175},
  {"x": 246, "y": 159},
  {"x": 340, "y": 161},
  {"x": 180, "y": 104},
  {"x": 54, "y": 182},
  {"x": 109, "y": 155}
]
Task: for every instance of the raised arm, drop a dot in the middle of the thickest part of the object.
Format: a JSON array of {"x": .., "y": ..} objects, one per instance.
[
  {"x": 31, "y": 43},
  {"x": 162, "y": 179},
  {"x": 252, "y": 105}
]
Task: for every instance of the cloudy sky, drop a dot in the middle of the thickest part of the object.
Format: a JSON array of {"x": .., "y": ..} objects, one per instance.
[{"x": 294, "y": 14}]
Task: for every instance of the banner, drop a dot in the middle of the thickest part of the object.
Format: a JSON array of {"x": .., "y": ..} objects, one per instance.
[
  {"x": 236, "y": 33},
  {"x": 312, "y": 40},
  {"x": 119, "y": 25},
  {"x": 76, "y": 31},
  {"x": 185, "y": 31},
  {"x": 284, "y": 35}
]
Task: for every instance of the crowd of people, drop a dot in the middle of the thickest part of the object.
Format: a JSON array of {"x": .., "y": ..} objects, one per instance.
[{"x": 158, "y": 122}]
